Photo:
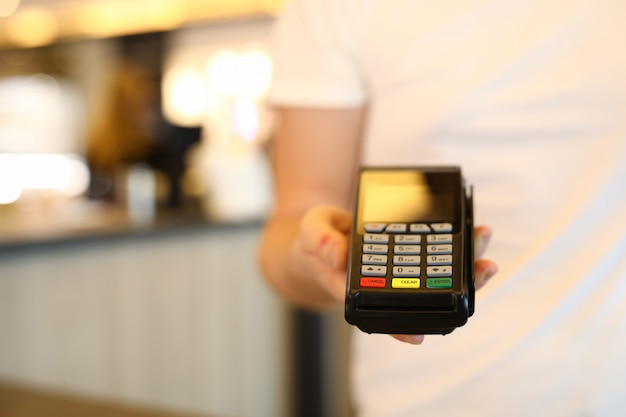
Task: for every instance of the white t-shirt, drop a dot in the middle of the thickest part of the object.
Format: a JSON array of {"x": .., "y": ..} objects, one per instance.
[{"x": 529, "y": 97}]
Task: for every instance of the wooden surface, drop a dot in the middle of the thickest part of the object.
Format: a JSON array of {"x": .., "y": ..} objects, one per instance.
[{"x": 18, "y": 401}]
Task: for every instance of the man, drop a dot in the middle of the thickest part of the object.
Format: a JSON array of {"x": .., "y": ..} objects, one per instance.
[{"x": 530, "y": 99}]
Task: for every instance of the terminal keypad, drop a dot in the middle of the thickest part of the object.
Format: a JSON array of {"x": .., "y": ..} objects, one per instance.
[{"x": 407, "y": 256}]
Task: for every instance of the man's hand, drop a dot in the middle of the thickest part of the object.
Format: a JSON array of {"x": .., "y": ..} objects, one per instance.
[{"x": 322, "y": 247}]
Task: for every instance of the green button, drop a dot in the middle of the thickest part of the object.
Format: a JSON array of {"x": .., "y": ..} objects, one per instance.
[{"x": 439, "y": 283}]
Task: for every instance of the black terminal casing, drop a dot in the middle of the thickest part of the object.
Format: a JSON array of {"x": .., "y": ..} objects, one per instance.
[{"x": 424, "y": 310}]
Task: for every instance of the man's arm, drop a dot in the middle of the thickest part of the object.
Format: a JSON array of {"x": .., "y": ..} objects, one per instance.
[{"x": 304, "y": 246}]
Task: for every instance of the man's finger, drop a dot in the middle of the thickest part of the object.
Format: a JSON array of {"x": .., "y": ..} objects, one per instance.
[
  {"x": 482, "y": 236},
  {"x": 414, "y": 339},
  {"x": 484, "y": 269}
]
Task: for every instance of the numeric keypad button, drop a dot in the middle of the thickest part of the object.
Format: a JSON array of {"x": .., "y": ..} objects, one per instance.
[
  {"x": 374, "y": 227},
  {"x": 439, "y": 260},
  {"x": 374, "y": 259},
  {"x": 436, "y": 239},
  {"x": 441, "y": 227},
  {"x": 378, "y": 249},
  {"x": 406, "y": 260},
  {"x": 407, "y": 249},
  {"x": 419, "y": 228},
  {"x": 396, "y": 228},
  {"x": 439, "y": 249},
  {"x": 373, "y": 271},
  {"x": 406, "y": 271},
  {"x": 439, "y": 271},
  {"x": 375, "y": 238},
  {"x": 407, "y": 239}
]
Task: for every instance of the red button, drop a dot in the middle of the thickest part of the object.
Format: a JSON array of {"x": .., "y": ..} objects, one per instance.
[{"x": 373, "y": 282}]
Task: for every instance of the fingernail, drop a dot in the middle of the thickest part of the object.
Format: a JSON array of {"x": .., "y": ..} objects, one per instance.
[
  {"x": 486, "y": 236},
  {"x": 414, "y": 339},
  {"x": 488, "y": 274},
  {"x": 491, "y": 272}
]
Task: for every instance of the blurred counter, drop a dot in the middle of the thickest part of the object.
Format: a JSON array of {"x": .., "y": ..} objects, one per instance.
[{"x": 93, "y": 221}]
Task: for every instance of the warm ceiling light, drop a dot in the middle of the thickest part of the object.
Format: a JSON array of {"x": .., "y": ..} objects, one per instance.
[
  {"x": 8, "y": 7},
  {"x": 101, "y": 19},
  {"x": 31, "y": 27},
  {"x": 108, "y": 18},
  {"x": 66, "y": 174},
  {"x": 239, "y": 73},
  {"x": 164, "y": 14},
  {"x": 272, "y": 6},
  {"x": 184, "y": 96}
]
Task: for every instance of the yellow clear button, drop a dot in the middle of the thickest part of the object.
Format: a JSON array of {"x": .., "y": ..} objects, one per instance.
[{"x": 405, "y": 283}]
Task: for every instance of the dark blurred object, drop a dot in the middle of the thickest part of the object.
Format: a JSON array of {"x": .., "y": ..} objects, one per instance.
[
  {"x": 124, "y": 134},
  {"x": 169, "y": 156},
  {"x": 132, "y": 129}
]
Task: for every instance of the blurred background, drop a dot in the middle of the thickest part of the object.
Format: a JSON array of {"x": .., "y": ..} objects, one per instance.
[{"x": 134, "y": 179}]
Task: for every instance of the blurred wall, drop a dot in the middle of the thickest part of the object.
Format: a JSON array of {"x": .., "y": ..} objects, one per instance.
[{"x": 180, "y": 321}]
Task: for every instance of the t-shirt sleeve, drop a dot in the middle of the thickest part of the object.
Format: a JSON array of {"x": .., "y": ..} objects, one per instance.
[{"x": 314, "y": 54}]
